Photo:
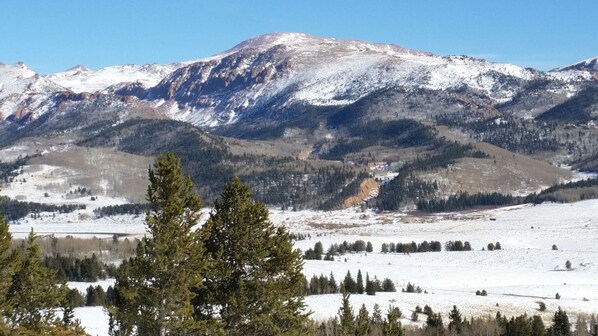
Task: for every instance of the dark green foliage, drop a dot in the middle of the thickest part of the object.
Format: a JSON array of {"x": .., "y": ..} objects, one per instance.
[
  {"x": 434, "y": 324},
  {"x": 413, "y": 247},
  {"x": 15, "y": 210},
  {"x": 457, "y": 246},
  {"x": 74, "y": 298},
  {"x": 96, "y": 296},
  {"x": 122, "y": 209},
  {"x": 254, "y": 284},
  {"x": 560, "y": 324},
  {"x": 394, "y": 133},
  {"x": 411, "y": 288},
  {"x": 153, "y": 290},
  {"x": 346, "y": 247},
  {"x": 349, "y": 190},
  {"x": 456, "y": 321},
  {"x": 200, "y": 155},
  {"x": 32, "y": 294},
  {"x": 584, "y": 187},
  {"x": 315, "y": 253},
  {"x": 359, "y": 283},
  {"x": 463, "y": 201},
  {"x": 362, "y": 322},
  {"x": 349, "y": 285},
  {"x": 481, "y": 293},
  {"x": 74, "y": 269},
  {"x": 345, "y": 315},
  {"x": 575, "y": 110},
  {"x": 8, "y": 170},
  {"x": 321, "y": 285},
  {"x": 392, "y": 326},
  {"x": 509, "y": 132},
  {"x": 401, "y": 189},
  {"x": 388, "y": 285}
]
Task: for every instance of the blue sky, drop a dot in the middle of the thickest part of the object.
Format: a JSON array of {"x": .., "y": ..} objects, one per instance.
[{"x": 54, "y": 35}]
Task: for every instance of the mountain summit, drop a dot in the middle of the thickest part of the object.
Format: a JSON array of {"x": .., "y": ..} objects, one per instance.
[{"x": 277, "y": 78}]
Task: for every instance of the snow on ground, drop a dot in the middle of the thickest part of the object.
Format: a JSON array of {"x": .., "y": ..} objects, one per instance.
[
  {"x": 525, "y": 271},
  {"x": 82, "y": 286},
  {"x": 93, "y": 319}
]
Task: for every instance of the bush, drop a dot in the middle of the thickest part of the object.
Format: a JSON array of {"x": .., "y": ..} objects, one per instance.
[
  {"x": 557, "y": 296},
  {"x": 542, "y": 306},
  {"x": 554, "y": 247}
]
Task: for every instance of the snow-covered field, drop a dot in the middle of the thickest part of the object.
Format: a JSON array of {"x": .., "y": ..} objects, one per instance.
[{"x": 525, "y": 271}]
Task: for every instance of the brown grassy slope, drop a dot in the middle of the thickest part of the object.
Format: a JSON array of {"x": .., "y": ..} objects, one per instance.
[
  {"x": 105, "y": 171},
  {"x": 503, "y": 172}
]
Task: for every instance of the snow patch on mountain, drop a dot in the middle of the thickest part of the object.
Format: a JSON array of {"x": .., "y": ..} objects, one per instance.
[
  {"x": 23, "y": 92},
  {"x": 81, "y": 79}
]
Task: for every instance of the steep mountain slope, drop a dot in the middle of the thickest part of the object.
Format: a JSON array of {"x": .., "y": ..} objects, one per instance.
[
  {"x": 590, "y": 64},
  {"x": 80, "y": 79},
  {"x": 24, "y": 94},
  {"x": 270, "y": 76}
]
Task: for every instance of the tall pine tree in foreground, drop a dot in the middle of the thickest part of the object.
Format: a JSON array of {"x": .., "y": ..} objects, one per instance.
[
  {"x": 153, "y": 289},
  {"x": 29, "y": 295},
  {"x": 255, "y": 283}
]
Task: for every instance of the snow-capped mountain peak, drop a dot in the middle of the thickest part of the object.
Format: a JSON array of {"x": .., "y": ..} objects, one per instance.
[
  {"x": 590, "y": 64},
  {"x": 81, "y": 79},
  {"x": 23, "y": 92}
]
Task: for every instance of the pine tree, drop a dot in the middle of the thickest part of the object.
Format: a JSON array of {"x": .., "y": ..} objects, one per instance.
[
  {"x": 33, "y": 295},
  {"x": 392, "y": 326},
  {"x": 345, "y": 315},
  {"x": 153, "y": 290},
  {"x": 561, "y": 325},
  {"x": 377, "y": 314},
  {"x": 456, "y": 321},
  {"x": 254, "y": 286},
  {"x": 7, "y": 263},
  {"x": 362, "y": 322},
  {"x": 359, "y": 286},
  {"x": 434, "y": 324}
]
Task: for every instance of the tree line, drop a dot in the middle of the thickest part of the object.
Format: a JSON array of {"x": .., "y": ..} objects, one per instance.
[
  {"x": 237, "y": 274},
  {"x": 15, "y": 210}
]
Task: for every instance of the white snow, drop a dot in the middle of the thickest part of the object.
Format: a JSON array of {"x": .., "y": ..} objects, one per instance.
[
  {"x": 81, "y": 79},
  {"x": 525, "y": 271}
]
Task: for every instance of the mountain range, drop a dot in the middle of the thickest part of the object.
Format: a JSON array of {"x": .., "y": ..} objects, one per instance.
[
  {"x": 276, "y": 76},
  {"x": 301, "y": 89}
]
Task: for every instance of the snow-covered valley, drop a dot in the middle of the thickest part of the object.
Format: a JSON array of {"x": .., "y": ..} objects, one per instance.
[{"x": 526, "y": 270}]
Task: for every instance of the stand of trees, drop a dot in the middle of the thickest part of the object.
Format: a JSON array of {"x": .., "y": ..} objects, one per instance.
[
  {"x": 76, "y": 269},
  {"x": 14, "y": 210},
  {"x": 236, "y": 275},
  {"x": 29, "y": 294},
  {"x": 464, "y": 201},
  {"x": 413, "y": 247},
  {"x": 121, "y": 209}
]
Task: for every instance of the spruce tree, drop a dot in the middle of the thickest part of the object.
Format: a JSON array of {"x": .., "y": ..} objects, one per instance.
[
  {"x": 362, "y": 322},
  {"x": 153, "y": 290},
  {"x": 456, "y": 321},
  {"x": 359, "y": 285},
  {"x": 254, "y": 286},
  {"x": 345, "y": 315},
  {"x": 7, "y": 263},
  {"x": 33, "y": 294},
  {"x": 561, "y": 325},
  {"x": 392, "y": 326}
]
